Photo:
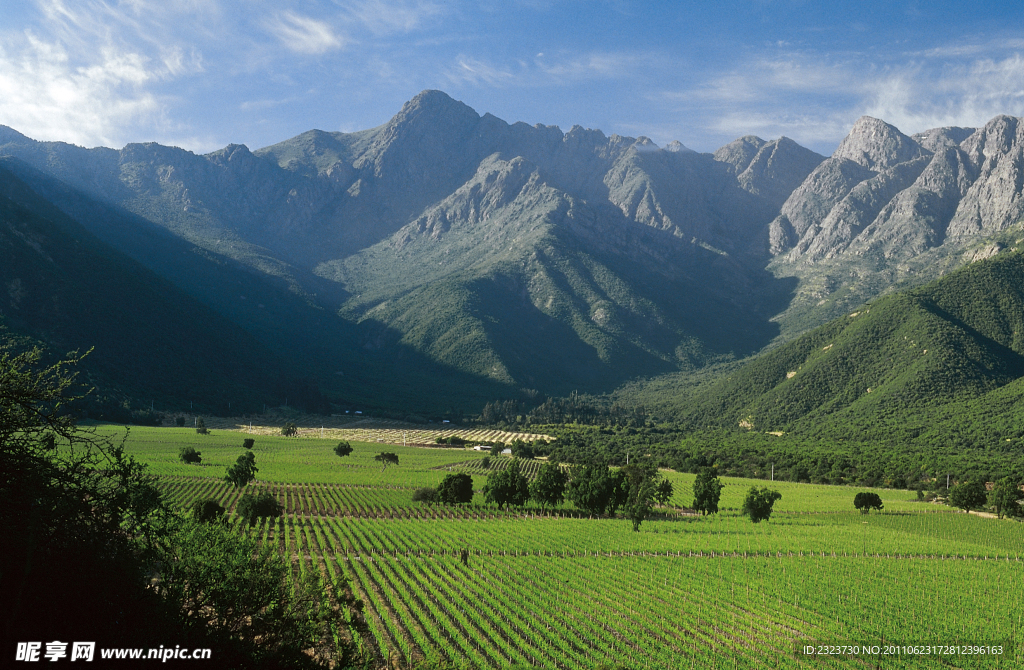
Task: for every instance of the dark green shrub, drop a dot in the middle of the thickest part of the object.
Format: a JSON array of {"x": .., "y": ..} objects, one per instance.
[
  {"x": 207, "y": 510},
  {"x": 262, "y": 505},
  {"x": 865, "y": 502},
  {"x": 189, "y": 455},
  {"x": 425, "y": 494},
  {"x": 455, "y": 489}
]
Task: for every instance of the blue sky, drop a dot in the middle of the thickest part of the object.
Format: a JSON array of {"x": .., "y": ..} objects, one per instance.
[{"x": 204, "y": 73}]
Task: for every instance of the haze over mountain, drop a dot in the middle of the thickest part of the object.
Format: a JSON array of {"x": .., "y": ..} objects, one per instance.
[{"x": 450, "y": 250}]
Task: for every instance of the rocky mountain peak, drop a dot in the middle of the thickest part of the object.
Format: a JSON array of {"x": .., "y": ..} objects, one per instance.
[
  {"x": 739, "y": 153},
  {"x": 675, "y": 146},
  {"x": 997, "y": 138},
  {"x": 425, "y": 124},
  {"x": 877, "y": 145},
  {"x": 937, "y": 139}
]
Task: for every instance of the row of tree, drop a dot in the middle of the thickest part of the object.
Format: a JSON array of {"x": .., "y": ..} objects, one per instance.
[{"x": 593, "y": 488}]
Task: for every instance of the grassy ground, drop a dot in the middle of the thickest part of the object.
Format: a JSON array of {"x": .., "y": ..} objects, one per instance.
[{"x": 561, "y": 591}]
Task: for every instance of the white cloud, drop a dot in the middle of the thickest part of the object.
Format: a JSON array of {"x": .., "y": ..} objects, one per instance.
[
  {"x": 44, "y": 95},
  {"x": 304, "y": 34},
  {"x": 815, "y": 98},
  {"x": 962, "y": 94},
  {"x": 558, "y": 70},
  {"x": 388, "y": 17},
  {"x": 471, "y": 71},
  {"x": 594, "y": 65}
]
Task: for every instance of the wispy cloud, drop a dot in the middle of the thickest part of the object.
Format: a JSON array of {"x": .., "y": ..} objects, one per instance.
[
  {"x": 388, "y": 17},
  {"x": 815, "y": 97},
  {"x": 91, "y": 71},
  {"x": 560, "y": 69},
  {"x": 45, "y": 96},
  {"x": 304, "y": 34},
  {"x": 471, "y": 71},
  {"x": 963, "y": 94}
]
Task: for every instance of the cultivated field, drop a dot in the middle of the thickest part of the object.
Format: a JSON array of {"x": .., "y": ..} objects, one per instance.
[
  {"x": 560, "y": 590},
  {"x": 363, "y": 430}
]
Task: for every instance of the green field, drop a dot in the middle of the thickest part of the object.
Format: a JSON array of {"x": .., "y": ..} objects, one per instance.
[{"x": 565, "y": 591}]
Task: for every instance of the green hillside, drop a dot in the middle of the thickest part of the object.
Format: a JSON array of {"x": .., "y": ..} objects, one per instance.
[
  {"x": 940, "y": 365},
  {"x": 68, "y": 290},
  {"x": 357, "y": 366}
]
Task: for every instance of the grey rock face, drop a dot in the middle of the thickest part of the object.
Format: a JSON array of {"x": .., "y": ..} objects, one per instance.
[
  {"x": 877, "y": 146},
  {"x": 739, "y": 153},
  {"x": 777, "y": 169},
  {"x": 994, "y": 200},
  {"x": 808, "y": 206},
  {"x": 906, "y": 194}
]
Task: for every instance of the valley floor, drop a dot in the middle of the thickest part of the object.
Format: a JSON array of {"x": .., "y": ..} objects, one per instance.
[{"x": 917, "y": 586}]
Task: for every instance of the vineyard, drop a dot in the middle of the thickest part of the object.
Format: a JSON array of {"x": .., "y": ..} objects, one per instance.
[{"x": 558, "y": 589}]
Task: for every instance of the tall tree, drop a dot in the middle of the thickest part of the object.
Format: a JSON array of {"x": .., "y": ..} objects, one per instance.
[
  {"x": 1005, "y": 497},
  {"x": 968, "y": 495},
  {"x": 866, "y": 501},
  {"x": 592, "y": 488},
  {"x": 548, "y": 489},
  {"x": 243, "y": 471},
  {"x": 508, "y": 486},
  {"x": 759, "y": 503},
  {"x": 707, "y": 491},
  {"x": 80, "y": 518},
  {"x": 387, "y": 458},
  {"x": 639, "y": 488}
]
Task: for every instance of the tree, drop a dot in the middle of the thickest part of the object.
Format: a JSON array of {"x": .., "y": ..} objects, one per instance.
[
  {"x": 664, "y": 492},
  {"x": 485, "y": 462},
  {"x": 248, "y": 443},
  {"x": 343, "y": 448},
  {"x": 387, "y": 458},
  {"x": 86, "y": 530},
  {"x": 426, "y": 494},
  {"x": 759, "y": 503},
  {"x": 865, "y": 502},
  {"x": 243, "y": 471},
  {"x": 289, "y": 429},
  {"x": 201, "y": 426},
  {"x": 81, "y": 519},
  {"x": 521, "y": 449},
  {"x": 262, "y": 505},
  {"x": 180, "y": 422},
  {"x": 640, "y": 502},
  {"x": 507, "y": 487},
  {"x": 241, "y": 594},
  {"x": 189, "y": 455},
  {"x": 968, "y": 495},
  {"x": 707, "y": 491},
  {"x": 207, "y": 510},
  {"x": 592, "y": 488},
  {"x": 1005, "y": 497},
  {"x": 548, "y": 489},
  {"x": 638, "y": 490},
  {"x": 455, "y": 489}
]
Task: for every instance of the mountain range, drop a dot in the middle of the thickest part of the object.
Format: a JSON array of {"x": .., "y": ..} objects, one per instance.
[{"x": 446, "y": 258}]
